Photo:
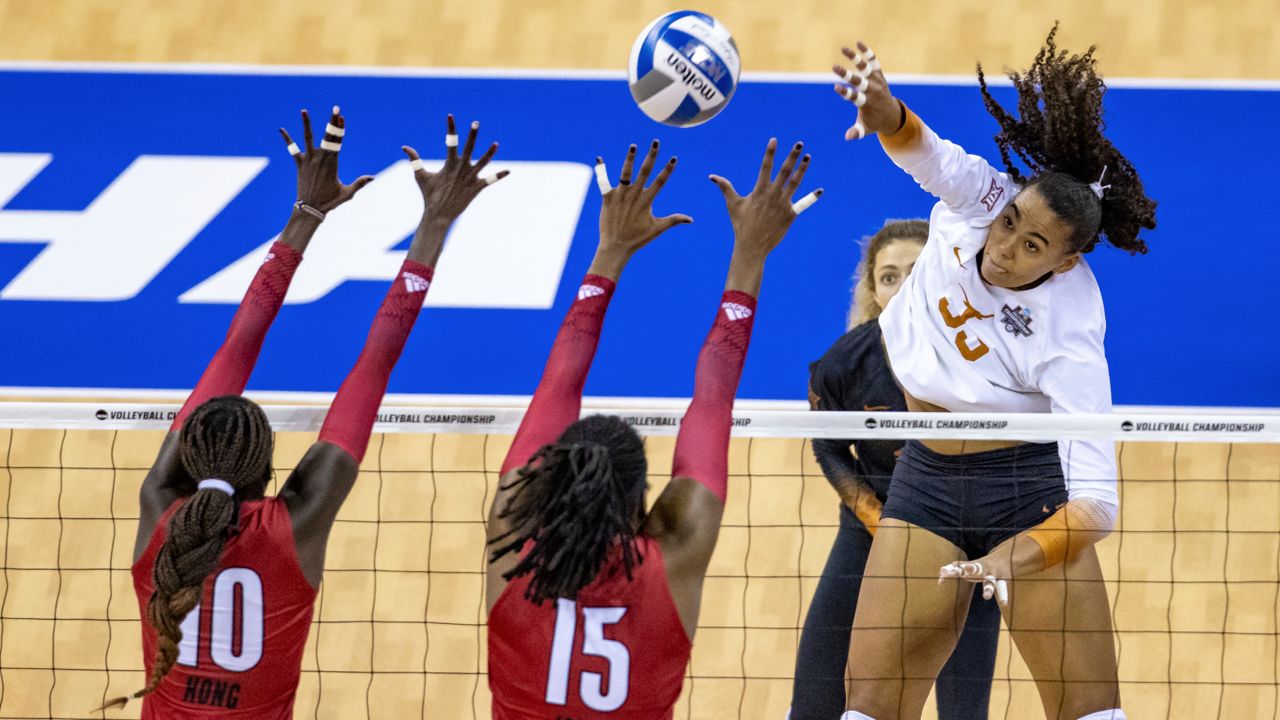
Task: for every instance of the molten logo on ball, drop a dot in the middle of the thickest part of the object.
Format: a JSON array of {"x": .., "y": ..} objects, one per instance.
[{"x": 684, "y": 68}]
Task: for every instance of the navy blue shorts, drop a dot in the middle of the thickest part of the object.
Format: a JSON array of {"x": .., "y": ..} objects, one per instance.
[{"x": 978, "y": 500}]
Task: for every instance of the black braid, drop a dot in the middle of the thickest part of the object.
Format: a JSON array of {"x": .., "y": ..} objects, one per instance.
[
  {"x": 227, "y": 438},
  {"x": 1058, "y": 137},
  {"x": 577, "y": 500}
]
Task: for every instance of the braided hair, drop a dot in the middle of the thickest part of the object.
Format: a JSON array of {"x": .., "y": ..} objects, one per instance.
[
  {"x": 227, "y": 438},
  {"x": 1058, "y": 136},
  {"x": 579, "y": 500}
]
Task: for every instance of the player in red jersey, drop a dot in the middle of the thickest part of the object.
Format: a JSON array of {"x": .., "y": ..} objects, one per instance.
[
  {"x": 225, "y": 577},
  {"x": 592, "y": 601}
]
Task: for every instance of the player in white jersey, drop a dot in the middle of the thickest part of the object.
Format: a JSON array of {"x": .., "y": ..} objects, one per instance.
[{"x": 1001, "y": 314}]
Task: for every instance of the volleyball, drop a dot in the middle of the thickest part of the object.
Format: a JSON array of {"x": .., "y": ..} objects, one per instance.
[{"x": 684, "y": 68}]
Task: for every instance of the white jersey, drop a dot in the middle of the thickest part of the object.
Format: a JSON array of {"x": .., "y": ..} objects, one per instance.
[{"x": 955, "y": 341}]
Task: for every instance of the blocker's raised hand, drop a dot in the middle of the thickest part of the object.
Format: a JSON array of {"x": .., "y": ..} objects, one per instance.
[
  {"x": 627, "y": 222},
  {"x": 761, "y": 218},
  {"x": 864, "y": 86},
  {"x": 447, "y": 192},
  {"x": 319, "y": 189}
]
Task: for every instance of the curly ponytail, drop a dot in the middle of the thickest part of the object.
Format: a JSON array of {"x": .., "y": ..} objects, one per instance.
[
  {"x": 1059, "y": 133},
  {"x": 228, "y": 438}
]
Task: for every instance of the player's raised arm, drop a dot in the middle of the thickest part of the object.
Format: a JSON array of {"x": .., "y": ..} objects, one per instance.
[
  {"x": 316, "y": 490},
  {"x": 942, "y": 168},
  {"x": 627, "y": 223},
  {"x": 687, "y": 516},
  {"x": 319, "y": 192}
]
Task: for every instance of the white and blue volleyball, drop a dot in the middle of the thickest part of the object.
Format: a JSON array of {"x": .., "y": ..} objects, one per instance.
[{"x": 684, "y": 68}]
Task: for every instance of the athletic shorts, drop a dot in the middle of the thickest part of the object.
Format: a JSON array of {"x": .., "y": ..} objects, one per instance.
[{"x": 978, "y": 500}]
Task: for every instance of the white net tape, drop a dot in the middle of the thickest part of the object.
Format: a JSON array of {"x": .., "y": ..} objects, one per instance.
[{"x": 504, "y": 420}]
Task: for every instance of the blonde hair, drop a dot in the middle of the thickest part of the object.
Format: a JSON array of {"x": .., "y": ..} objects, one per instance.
[{"x": 864, "y": 305}]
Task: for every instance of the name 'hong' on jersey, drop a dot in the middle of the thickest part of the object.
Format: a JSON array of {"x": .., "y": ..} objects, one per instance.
[{"x": 241, "y": 650}]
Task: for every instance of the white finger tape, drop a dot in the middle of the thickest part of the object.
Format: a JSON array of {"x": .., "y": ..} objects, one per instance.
[
  {"x": 872, "y": 63},
  {"x": 451, "y": 140},
  {"x": 602, "y": 179},
  {"x": 417, "y": 165},
  {"x": 848, "y": 76},
  {"x": 294, "y": 149},
  {"x": 491, "y": 179},
  {"x": 334, "y": 130},
  {"x": 329, "y": 145},
  {"x": 804, "y": 203},
  {"x": 1002, "y": 592},
  {"x": 857, "y": 132},
  {"x": 860, "y": 99}
]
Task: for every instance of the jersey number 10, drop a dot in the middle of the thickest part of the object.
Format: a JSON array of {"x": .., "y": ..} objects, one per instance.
[
  {"x": 222, "y": 647},
  {"x": 591, "y": 687}
]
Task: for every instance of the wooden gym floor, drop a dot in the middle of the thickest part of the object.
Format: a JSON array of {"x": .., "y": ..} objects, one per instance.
[{"x": 1196, "y": 610}]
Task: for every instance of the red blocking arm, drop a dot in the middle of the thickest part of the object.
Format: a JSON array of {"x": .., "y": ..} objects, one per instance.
[
  {"x": 228, "y": 372},
  {"x": 557, "y": 402},
  {"x": 702, "y": 447},
  {"x": 350, "y": 419}
]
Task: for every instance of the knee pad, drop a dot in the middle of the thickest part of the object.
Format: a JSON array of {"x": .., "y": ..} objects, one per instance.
[{"x": 1116, "y": 714}]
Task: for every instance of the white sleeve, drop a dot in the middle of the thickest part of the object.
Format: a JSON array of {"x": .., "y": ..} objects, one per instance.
[
  {"x": 1076, "y": 379},
  {"x": 964, "y": 183}
]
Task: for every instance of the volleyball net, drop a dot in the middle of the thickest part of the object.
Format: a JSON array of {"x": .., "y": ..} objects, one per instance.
[{"x": 1192, "y": 569}]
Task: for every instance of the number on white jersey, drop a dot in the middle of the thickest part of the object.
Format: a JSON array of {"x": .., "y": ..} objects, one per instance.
[
  {"x": 222, "y": 625},
  {"x": 591, "y": 687}
]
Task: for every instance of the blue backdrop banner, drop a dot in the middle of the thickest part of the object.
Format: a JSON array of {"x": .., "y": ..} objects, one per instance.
[{"x": 135, "y": 205}]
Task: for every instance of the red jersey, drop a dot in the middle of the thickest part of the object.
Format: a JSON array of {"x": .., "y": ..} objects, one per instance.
[
  {"x": 241, "y": 649},
  {"x": 619, "y": 649}
]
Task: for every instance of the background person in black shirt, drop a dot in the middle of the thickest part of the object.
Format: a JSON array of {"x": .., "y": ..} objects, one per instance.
[{"x": 854, "y": 375}]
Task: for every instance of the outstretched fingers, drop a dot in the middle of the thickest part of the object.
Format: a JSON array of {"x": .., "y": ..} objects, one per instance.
[
  {"x": 471, "y": 141},
  {"x": 854, "y": 86},
  {"x": 789, "y": 164},
  {"x": 806, "y": 202},
  {"x": 670, "y": 221},
  {"x": 602, "y": 176},
  {"x": 646, "y": 167},
  {"x": 334, "y": 131},
  {"x": 360, "y": 182},
  {"x": 663, "y": 174},
  {"x": 292, "y": 147},
  {"x": 306, "y": 131},
  {"x": 415, "y": 160},
  {"x": 766, "y": 165},
  {"x": 625, "y": 177},
  {"x": 486, "y": 157},
  {"x": 793, "y": 182},
  {"x": 726, "y": 187},
  {"x": 451, "y": 138}
]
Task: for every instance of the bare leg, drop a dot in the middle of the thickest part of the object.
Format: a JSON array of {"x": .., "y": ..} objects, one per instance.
[
  {"x": 1060, "y": 620},
  {"x": 906, "y": 623}
]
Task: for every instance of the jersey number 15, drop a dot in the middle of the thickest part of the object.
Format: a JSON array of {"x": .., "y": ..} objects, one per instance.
[{"x": 591, "y": 687}]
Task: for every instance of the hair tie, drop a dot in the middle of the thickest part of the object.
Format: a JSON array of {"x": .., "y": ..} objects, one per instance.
[
  {"x": 216, "y": 484},
  {"x": 1097, "y": 187}
]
